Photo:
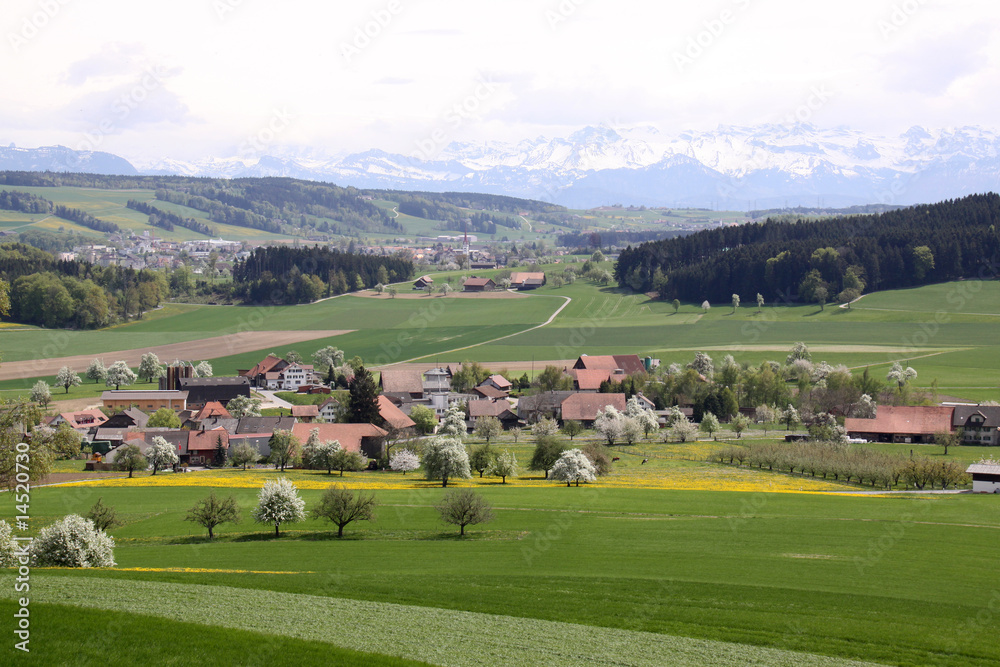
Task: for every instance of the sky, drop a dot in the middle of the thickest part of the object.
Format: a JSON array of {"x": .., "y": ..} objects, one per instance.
[{"x": 187, "y": 79}]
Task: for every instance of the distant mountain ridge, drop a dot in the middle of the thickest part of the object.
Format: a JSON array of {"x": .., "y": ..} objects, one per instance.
[{"x": 764, "y": 166}]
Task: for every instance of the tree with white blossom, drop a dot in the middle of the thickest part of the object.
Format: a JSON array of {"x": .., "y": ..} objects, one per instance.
[
  {"x": 404, "y": 461},
  {"x": 279, "y": 502},
  {"x": 72, "y": 542},
  {"x": 573, "y": 466},
  {"x": 161, "y": 454}
]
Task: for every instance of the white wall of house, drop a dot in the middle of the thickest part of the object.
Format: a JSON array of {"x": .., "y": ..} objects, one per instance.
[{"x": 986, "y": 485}]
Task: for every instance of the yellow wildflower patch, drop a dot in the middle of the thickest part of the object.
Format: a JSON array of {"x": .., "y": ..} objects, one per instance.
[{"x": 670, "y": 475}]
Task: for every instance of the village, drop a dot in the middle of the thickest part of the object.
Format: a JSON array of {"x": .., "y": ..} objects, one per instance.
[{"x": 216, "y": 415}]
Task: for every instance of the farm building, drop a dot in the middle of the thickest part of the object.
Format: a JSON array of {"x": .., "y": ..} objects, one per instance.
[
  {"x": 393, "y": 416},
  {"x": 985, "y": 477},
  {"x": 584, "y": 407},
  {"x": 498, "y": 382},
  {"x": 906, "y": 424},
  {"x": 423, "y": 282},
  {"x": 488, "y": 408},
  {"x": 479, "y": 285},
  {"x": 367, "y": 439},
  {"x": 258, "y": 374},
  {"x": 980, "y": 424},
  {"x": 305, "y": 413},
  {"x": 630, "y": 364},
  {"x": 151, "y": 399},
  {"x": 586, "y": 379},
  {"x": 525, "y": 280},
  {"x": 215, "y": 389},
  {"x": 406, "y": 383}
]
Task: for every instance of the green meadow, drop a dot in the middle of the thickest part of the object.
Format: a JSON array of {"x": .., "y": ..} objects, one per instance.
[
  {"x": 650, "y": 576},
  {"x": 948, "y": 332}
]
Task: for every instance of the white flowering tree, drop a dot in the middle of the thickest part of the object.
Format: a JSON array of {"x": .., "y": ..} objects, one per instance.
[
  {"x": 865, "y": 408},
  {"x": 244, "y": 406},
  {"x": 543, "y": 428},
  {"x": 119, "y": 374},
  {"x": 709, "y": 424},
  {"x": 279, "y": 502},
  {"x": 326, "y": 455},
  {"x": 703, "y": 364},
  {"x": 203, "y": 370},
  {"x": 789, "y": 416},
  {"x": 503, "y": 466},
  {"x": 149, "y": 367},
  {"x": 8, "y": 547},
  {"x": 445, "y": 458},
  {"x": 244, "y": 454},
  {"x": 40, "y": 393},
  {"x": 161, "y": 454},
  {"x": 73, "y": 542},
  {"x": 798, "y": 351},
  {"x": 901, "y": 376},
  {"x": 610, "y": 424},
  {"x": 67, "y": 377},
  {"x": 453, "y": 423},
  {"x": 645, "y": 417},
  {"x": 684, "y": 430},
  {"x": 96, "y": 371},
  {"x": 404, "y": 461},
  {"x": 573, "y": 466}
]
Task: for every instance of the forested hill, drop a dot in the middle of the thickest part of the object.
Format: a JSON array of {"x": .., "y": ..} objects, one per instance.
[{"x": 816, "y": 261}]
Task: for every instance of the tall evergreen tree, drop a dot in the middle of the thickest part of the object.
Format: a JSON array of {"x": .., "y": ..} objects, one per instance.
[{"x": 363, "y": 403}]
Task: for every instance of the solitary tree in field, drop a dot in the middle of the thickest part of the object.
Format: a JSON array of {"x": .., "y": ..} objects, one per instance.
[
  {"x": 104, "y": 516},
  {"x": 445, "y": 458},
  {"x": 709, "y": 424},
  {"x": 131, "y": 458},
  {"x": 821, "y": 294},
  {"x": 798, "y": 351},
  {"x": 284, "y": 447},
  {"x": 344, "y": 459},
  {"x": 341, "y": 506},
  {"x": 547, "y": 452},
  {"x": 790, "y": 416},
  {"x": 676, "y": 304},
  {"x": 503, "y": 466},
  {"x": 948, "y": 439},
  {"x": 119, "y": 374},
  {"x": 464, "y": 508},
  {"x": 738, "y": 424},
  {"x": 278, "y": 502},
  {"x": 149, "y": 367},
  {"x": 760, "y": 301},
  {"x": 67, "y": 377},
  {"x": 574, "y": 466},
  {"x": 40, "y": 393},
  {"x": 161, "y": 454},
  {"x": 244, "y": 453},
  {"x": 404, "y": 461},
  {"x": 736, "y": 302},
  {"x": 684, "y": 430},
  {"x": 705, "y": 305},
  {"x": 393, "y": 292},
  {"x": 212, "y": 511},
  {"x": 901, "y": 376},
  {"x": 572, "y": 428},
  {"x": 96, "y": 371},
  {"x": 488, "y": 428}
]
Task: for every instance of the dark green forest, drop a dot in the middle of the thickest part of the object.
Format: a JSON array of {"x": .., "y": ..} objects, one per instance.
[
  {"x": 301, "y": 275},
  {"x": 823, "y": 260}
]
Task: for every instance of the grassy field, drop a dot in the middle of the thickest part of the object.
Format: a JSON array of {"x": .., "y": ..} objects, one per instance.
[
  {"x": 656, "y": 564},
  {"x": 946, "y": 332}
]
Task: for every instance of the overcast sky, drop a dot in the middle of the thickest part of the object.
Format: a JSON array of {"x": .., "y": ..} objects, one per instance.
[{"x": 190, "y": 78}]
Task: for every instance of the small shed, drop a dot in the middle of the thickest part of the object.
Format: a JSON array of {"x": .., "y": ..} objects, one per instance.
[
  {"x": 479, "y": 285},
  {"x": 423, "y": 282},
  {"x": 985, "y": 477}
]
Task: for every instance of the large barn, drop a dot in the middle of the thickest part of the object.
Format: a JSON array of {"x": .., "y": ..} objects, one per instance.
[{"x": 902, "y": 423}]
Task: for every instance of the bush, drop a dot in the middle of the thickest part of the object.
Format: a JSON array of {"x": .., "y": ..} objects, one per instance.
[{"x": 73, "y": 542}]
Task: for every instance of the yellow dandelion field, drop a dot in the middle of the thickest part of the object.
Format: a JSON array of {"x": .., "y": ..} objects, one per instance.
[{"x": 682, "y": 476}]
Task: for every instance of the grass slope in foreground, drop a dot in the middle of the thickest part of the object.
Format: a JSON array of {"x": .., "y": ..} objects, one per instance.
[
  {"x": 438, "y": 636},
  {"x": 897, "y": 580}
]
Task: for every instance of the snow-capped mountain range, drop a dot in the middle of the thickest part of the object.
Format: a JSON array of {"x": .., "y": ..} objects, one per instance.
[{"x": 730, "y": 167}]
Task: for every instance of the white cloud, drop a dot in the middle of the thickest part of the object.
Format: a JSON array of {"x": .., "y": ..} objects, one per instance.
[{"x": 596, "y": 61}]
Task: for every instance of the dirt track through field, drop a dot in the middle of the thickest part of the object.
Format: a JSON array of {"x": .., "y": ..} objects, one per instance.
[{"x": 194, "y": 350}]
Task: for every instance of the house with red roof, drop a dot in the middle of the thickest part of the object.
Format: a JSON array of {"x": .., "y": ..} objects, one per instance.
[
  {"x": 902, "y": 423},
  {"x": 393, "y": 416},
  {"x": 367, "y": 439},
  {"x": 630, "y": 364},
  {"x": 479, "y": 285},
  {"x": 258, "y": 374},
  {"x": 201, "y": 445},
  {"x": 583, "y": 407},
  {"x": 306, "y": 413},
  {"x": 80, "y": 421}
]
